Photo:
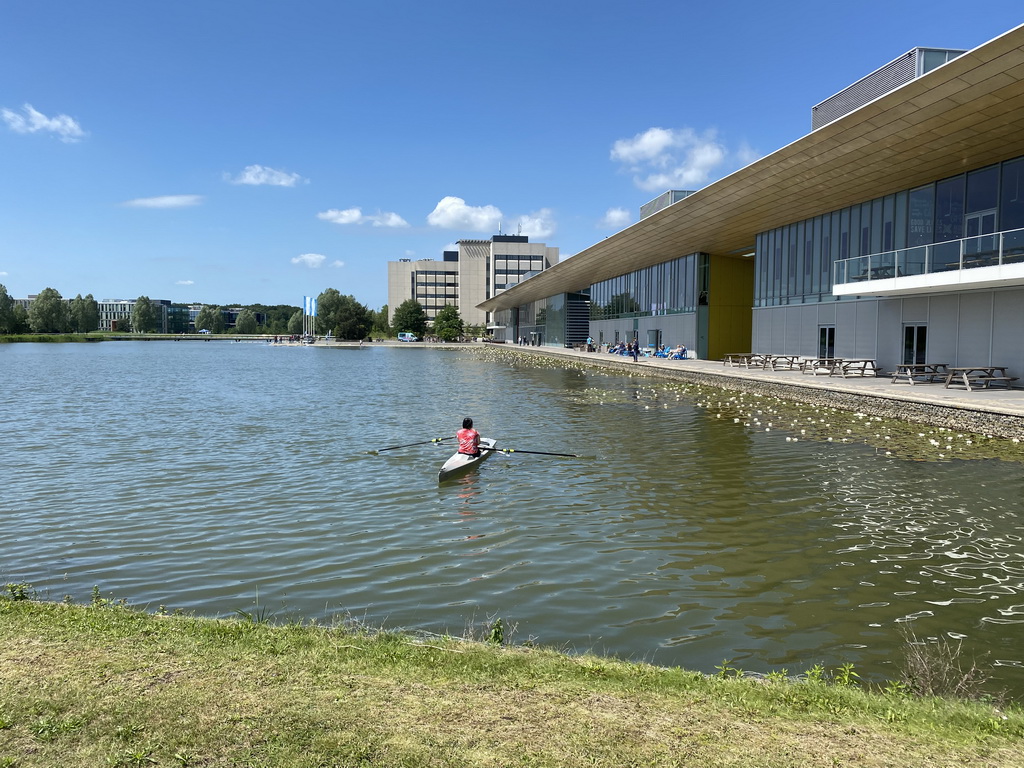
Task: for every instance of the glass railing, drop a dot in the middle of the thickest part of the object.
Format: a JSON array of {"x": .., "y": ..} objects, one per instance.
[{"x": 981, "y": 251}]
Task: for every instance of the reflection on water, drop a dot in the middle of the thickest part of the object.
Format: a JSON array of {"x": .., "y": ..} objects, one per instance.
[{"x": 202, "y": 475}]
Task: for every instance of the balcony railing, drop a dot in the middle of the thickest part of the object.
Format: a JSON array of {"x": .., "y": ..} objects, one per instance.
[{"x": 971, "y": 252}]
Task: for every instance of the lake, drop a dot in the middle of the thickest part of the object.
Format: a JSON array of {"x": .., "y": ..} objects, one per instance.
[{"x": 218, "y": 477}]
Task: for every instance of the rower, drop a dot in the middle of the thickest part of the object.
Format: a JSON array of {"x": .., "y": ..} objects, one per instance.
[{"x": 469, "y": 438}]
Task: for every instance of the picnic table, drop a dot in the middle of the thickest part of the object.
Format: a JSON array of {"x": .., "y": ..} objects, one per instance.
[
  {"x": 745, "y": 359},
  {"x": 981, "y": 374},
  {"x": 816, "y": 365},
  {"x": 928, "y": 372},
  {"x": 785, "y": 362},
  {"x": 854, "y": 366}
]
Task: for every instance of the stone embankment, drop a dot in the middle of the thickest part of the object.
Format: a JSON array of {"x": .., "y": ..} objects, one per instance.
[{"x": 998, "y": 412}]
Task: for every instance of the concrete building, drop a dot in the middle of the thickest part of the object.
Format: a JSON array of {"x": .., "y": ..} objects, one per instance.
[
  {"x": 893, "y": 231},
  {"x": 477, "y": 271}
]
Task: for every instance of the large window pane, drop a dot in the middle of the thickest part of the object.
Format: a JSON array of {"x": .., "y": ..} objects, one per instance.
[
  {"x": 1011, "y": 203},
  {"x": 949, "y": 209},
  {"x": 982, "y": 189},
  {"x": 920, "y": 216}
]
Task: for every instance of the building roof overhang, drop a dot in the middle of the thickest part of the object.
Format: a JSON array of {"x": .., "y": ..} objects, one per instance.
[{"x": 963, "y": 115}]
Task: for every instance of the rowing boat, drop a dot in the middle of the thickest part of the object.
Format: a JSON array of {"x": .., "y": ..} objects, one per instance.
[{"x": 462, "y": 462}]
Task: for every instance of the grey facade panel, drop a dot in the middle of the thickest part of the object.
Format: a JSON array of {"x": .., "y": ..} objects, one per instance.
[
  {"x": 866, "y": 337},
  {"x": 974, "y": 342},
  {"x": 1008, "y": 312},
  {"x": 889, "y": 345},
  {"x": 880, "y": 82},
  {"x": 943, "y": 329}
]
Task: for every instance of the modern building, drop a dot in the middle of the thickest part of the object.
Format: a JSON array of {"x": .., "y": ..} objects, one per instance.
[
  {"x": 894, "y": 230},
  {"x": 476, "y": 271}
]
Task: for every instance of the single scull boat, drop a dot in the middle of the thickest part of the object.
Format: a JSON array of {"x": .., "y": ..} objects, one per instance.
[{"x": 461, "y": 462}]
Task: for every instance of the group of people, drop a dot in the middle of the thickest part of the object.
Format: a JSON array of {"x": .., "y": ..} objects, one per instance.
[{"x": 632, "y": 347}]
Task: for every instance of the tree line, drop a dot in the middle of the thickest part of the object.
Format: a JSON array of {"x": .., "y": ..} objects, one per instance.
[{"x": 339, "y": 315}]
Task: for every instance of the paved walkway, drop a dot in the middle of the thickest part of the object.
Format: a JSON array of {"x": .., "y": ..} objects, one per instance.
[{"x": 994, "y": 402}]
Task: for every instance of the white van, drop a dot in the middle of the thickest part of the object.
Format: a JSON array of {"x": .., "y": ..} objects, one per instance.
[{"x": 407, "y": 337}]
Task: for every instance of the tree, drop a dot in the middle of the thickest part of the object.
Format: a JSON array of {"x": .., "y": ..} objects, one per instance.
[
  {"x": 210, "y": 319},
  {"x": 143, "y": 315},
  {"x": 295, "y": 323},
  {"x": 381, "y": 326},
  {"x": 410, "y": 318},
  {"x": 448, "y": 324},
  {"x": 277, "y": 315},
  {"x": 85, "y": 314},
  {"x": 6, "y": 311},
  {"x": 49, "y": 313},
  {"x": 343, "y": 316},
  {"x": 20, "y": 322},
  {"x": 246, "y": 322}
]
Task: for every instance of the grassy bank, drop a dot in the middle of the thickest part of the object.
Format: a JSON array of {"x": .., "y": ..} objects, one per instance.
[
  {"x": 102, "y": 685},
  {"x": 54, "y": 338}
]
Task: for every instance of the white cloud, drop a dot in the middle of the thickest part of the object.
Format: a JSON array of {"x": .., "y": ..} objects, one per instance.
[
  {"x": 34, "y": 121},
  {"x": 259, "y": 175},
  {"x": 338, "y": 263},
  {"x": 616, "y": 218},
  {"x": 747, "y": 154},
  {"x": 164, "y": 201},
  {"x": 3, "y": 274},
  {"x": 645, "y": 147},
  {"x": 664, "y": 158},
  {"x": 355, "y": 216},
  {"x": 185, "y": 282},
  {"x": 453, "y": 213},
  {"x": 311, "y": 260},
  {"x": 538, "y": 225},
  {"x": 387, "y": 220},
  {"x": 348, "y": 216}
]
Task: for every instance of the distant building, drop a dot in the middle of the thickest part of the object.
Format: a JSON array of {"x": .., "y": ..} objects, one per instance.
[
  {"x": 116, "y": 314},
  {"x": 477, "y": 271}
]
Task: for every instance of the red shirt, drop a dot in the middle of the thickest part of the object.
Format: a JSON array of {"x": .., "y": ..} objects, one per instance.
[{"x": 469, "y": 440}]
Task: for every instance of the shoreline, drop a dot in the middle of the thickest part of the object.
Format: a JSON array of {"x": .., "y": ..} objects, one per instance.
[{"x": 991, "y": 412}]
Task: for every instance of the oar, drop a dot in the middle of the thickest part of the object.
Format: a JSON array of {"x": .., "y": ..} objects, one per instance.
[
  {"x": 410, "y": 445},
  {"x": 537, "y": 453}
]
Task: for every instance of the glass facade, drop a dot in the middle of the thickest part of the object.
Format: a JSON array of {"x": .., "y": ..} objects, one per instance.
[
  {"x": 667, "y": 288},
  {"x": 794, "y": 264}
]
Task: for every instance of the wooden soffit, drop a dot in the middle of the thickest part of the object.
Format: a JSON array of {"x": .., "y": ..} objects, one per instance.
[{"x": 964, "y": 115}]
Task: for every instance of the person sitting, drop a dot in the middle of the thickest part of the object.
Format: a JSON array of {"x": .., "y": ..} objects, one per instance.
[{"x": 469, "y": 438}]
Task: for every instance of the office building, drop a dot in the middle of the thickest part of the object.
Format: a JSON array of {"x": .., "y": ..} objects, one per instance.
[
  {"x": 476, "y": 271},
  {"x": 894, "y": 230}
]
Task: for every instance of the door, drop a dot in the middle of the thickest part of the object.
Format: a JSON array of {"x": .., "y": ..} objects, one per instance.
[
  {"x": 915, "y": 344},
  {"x": 981, "y": 246},
  {"x": 826, "y": 341}
]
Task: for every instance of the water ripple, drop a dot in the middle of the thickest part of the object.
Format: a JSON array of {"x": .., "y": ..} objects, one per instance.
[{"x": 243, "y": 480}]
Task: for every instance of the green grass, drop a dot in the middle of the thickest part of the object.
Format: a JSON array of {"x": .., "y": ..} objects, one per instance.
[
  {"x": 103, "y": 685},
  {"x": 51, "y": 338}
]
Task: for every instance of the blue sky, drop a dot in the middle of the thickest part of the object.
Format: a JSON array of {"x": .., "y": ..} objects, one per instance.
[{"x": 230, "y": 151}]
